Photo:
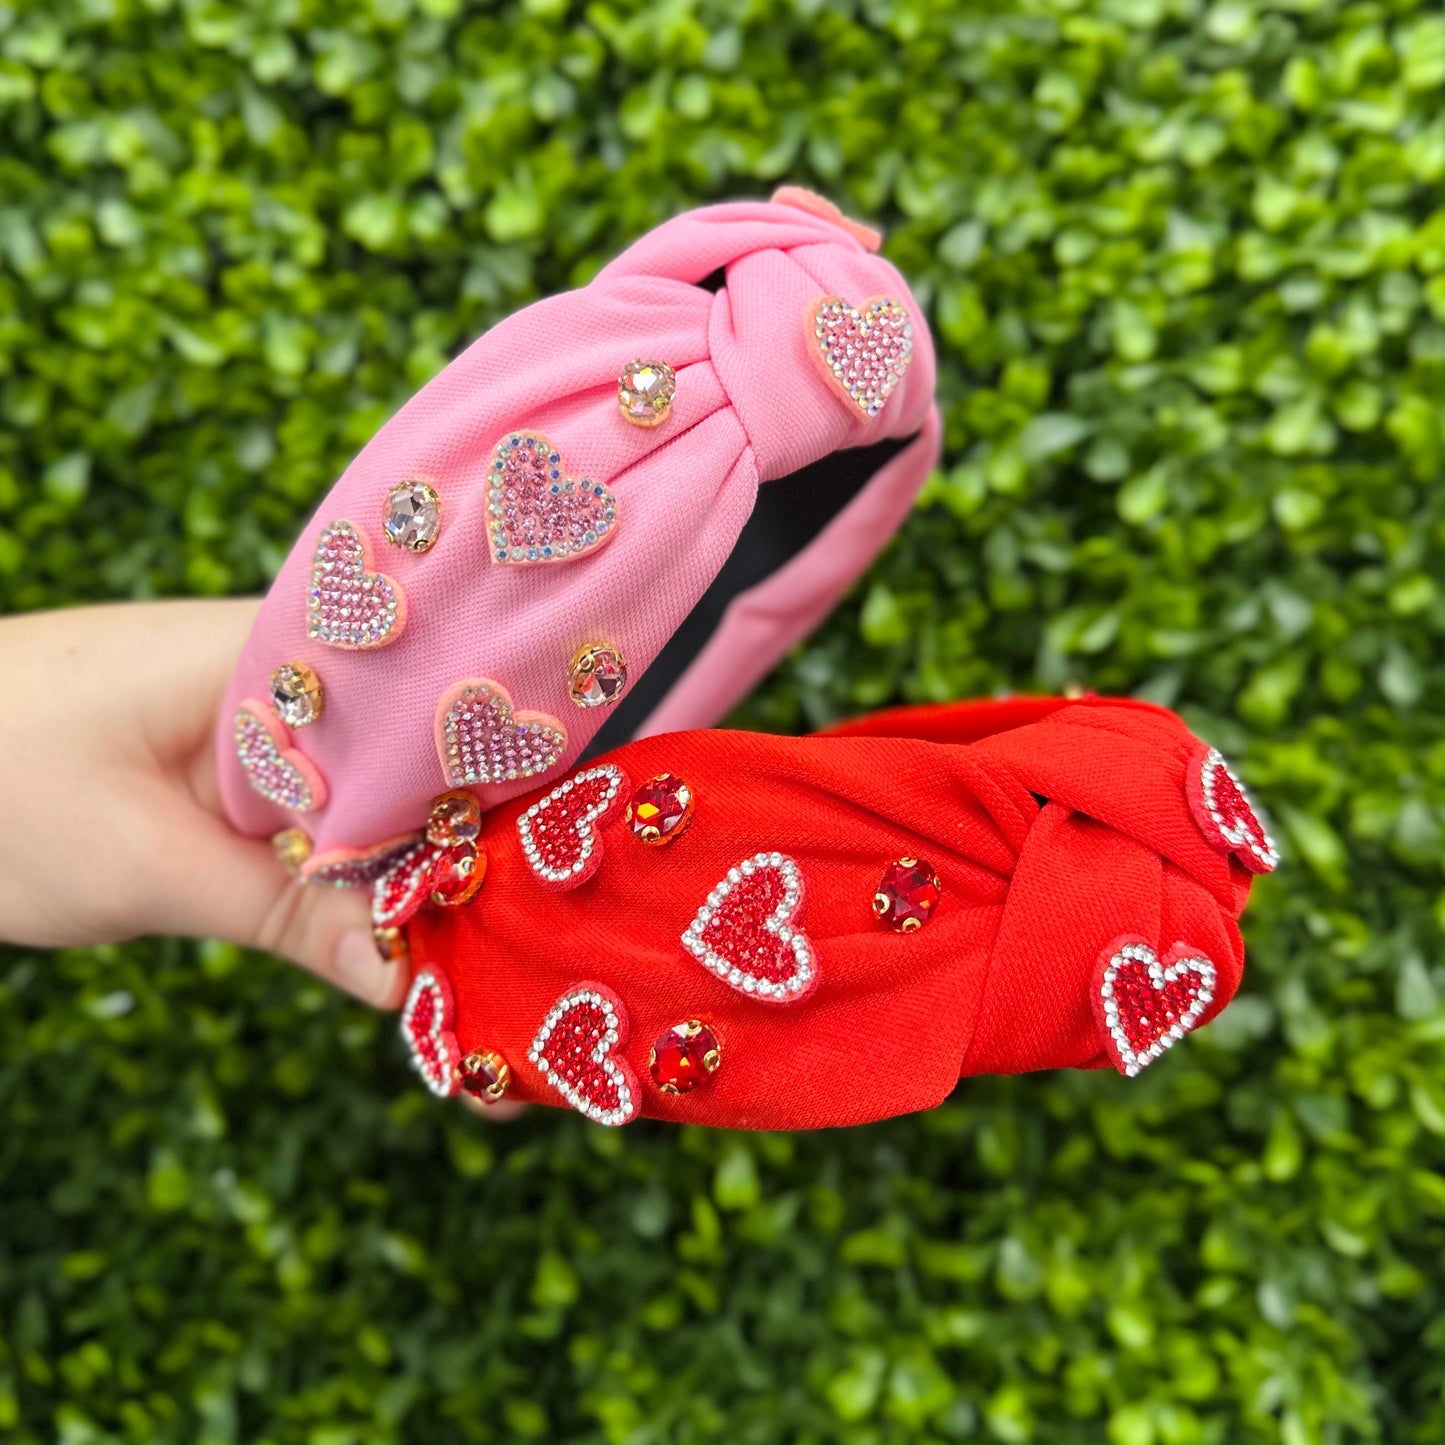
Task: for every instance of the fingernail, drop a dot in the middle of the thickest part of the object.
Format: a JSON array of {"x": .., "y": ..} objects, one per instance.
[{"x": 360, "y": 969}]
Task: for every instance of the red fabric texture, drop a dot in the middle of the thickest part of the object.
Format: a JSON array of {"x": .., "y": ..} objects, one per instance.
[{"x": 997, "y": 981}]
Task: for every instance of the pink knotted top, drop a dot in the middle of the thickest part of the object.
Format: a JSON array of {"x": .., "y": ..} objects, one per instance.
[{"x": 753, "y": 404}]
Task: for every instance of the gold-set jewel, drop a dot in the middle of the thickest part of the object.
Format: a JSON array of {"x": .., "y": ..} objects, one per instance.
[
  {"x": 390, "y": 944},
  {"x": 660, "y": 810},
  {"x": 413, "y": 515},
  {"x": 684, "y": 1056},
  {"x": 455, "y": 817},
  {"x": 296, "y": 694},
  {"x": 645, "y": 391},
  {"x": 293, "y": 848},
  {"x": 597, "y": 674},
  {"x": 485, "y": 1075}
]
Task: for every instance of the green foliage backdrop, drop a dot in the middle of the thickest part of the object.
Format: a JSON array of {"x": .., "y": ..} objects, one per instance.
[{"x": 1186, "y": 266}]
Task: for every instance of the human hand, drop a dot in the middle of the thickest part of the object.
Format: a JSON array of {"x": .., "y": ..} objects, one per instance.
[
  {"x": 112, "y": 818},
  {"x": 112, "y": 823}
]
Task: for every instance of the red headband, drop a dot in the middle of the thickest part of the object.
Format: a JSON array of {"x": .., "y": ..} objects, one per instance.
[{"x": 829, "y": 930}]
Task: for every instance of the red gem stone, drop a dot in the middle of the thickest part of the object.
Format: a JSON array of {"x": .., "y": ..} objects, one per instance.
[
  {"x": 457, "y": 874},
  {"x": 684, "y": 1056},
  {"x": 907, "y": 894},
  {"x": 660, "y": 809},
  {"x": 484, "y": 1075},
  {"x": 456, "y": 817}
]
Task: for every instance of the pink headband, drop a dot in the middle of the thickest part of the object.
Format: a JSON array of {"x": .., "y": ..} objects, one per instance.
[{"x": 559, "y": 529}]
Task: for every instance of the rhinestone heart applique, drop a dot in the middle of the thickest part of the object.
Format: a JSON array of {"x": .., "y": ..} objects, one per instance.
[
  {"x": 480, "y": 739},
  {"x": 746, "y": 935},
  {"x": 355, "y": 867},
  {"x": 279, "y": 772},
  {"x": 535, "y": 513},
  {"x": 579, "y": 1052},
  {"x": 349, "y": 605},
  {"x": 1223, "y": 810},
  {"x": 864, "y": 351},
  {"x": 1147, "y": 1006},
  {"x": 562, "y": 833},
  {"x": 404, "y": 885},
  {"x": 426, "y": 1025}
]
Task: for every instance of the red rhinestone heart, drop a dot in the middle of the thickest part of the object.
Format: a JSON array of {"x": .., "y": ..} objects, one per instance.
[
  {"x": 426, "y": 1025},
  {"x": 864, "y": 350},
  {"x": 744, "y": 932},
  {"x": 535, "y": 513},
  {"x": 562, "y": 833},
  {"x": 349, "y": 605},
  {"x": 280, "y": 773},
  {"x": 355, "y": 867},
  {"x": 579, "y": 1051},
  {"x": 1147, "y": 1006},
  {"x": 1224, "y": 813},
  {"x": 480, "y": 739},
  {"x": 406, "y": 884}
]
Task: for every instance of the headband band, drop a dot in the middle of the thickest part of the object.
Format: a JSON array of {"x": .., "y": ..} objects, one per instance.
[
  {"x": 778, "y": 933},
  {"x": 712, "y": 438}
]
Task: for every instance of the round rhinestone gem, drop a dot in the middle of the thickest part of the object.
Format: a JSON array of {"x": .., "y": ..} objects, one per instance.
[
  {"x": 684, "y": 1056},
  {"x": 390, "y": 944},
  {"x": 660, "y": 809},
  {"x": 485, "y": 1075},
  {"x": 456, "y": 817},
  {"x": 457, "y": 874},
  {"x": 597, "y": 675},
  {"x": 413, "y": 515},
  {"x": 293, "y": 848},
  {"x": 907, "y": 894},
  {"x": 645, "y": 391},
  {"x": 296, "y": 694}
]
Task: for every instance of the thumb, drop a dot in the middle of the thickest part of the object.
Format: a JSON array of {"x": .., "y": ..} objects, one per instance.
[{"x": 220, "y": 885}]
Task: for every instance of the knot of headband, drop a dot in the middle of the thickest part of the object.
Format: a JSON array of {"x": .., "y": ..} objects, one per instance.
[
  {"x": 614, "y": 511},
  {"x": 768, "y": 932}
]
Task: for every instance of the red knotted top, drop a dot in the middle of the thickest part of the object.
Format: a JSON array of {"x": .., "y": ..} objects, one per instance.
[{"x": 1058, "y": 830}]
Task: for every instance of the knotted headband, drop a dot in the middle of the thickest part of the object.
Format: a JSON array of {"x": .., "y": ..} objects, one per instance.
[
  {"x": 620, "y": 505},
  {"x": 769, "y": 932}
]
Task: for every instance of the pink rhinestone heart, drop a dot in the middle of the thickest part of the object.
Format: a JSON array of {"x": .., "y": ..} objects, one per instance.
[
  {"x": 426, "y": 1025},
  {"x": 535, "y": 512},
  {"x": 481, "y": 740},
  {"x": 746, "y": 932},
  {"x": 349, "y": 605},
  {"x": 277, "y": 771},
  {"x": 864, "y": 351}
]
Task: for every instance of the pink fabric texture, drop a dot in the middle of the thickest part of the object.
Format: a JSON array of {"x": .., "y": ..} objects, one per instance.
[{"x": 750, "y": 408}]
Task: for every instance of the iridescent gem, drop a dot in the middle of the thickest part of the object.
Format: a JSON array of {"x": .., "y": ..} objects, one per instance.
[
  {"x": 413, "y": 515},
  {"x": 484, "y": 1075},
  {"x": 645, "y": 391},
  {"x": 296, "y": 694},
  {"x": 660, "y": 809},
  {"x": 456, "y": 817},
  {"x": 597, "y": 675},
  {"x": 684, "y": 1056},
  {"x": 906, "y": 895},
  {"x": 293, "y": 848}
]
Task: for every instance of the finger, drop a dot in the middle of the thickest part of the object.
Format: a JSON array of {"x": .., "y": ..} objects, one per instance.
[{"x": 502, "y": 1112}]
